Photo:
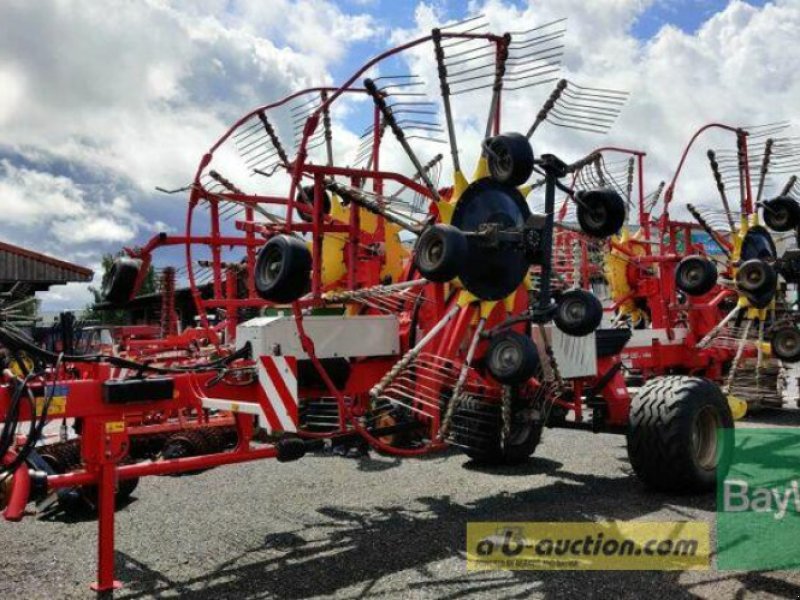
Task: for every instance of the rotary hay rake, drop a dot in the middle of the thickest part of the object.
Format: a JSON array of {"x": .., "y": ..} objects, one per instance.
[
  {"x": 391, "y": 309},
  {"x": 710, "y": 315}
]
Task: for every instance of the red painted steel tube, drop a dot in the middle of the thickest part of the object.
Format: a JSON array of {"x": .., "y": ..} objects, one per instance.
[
  {"x": 20, "y": 490},
  {"x": 163, "y": 467}
]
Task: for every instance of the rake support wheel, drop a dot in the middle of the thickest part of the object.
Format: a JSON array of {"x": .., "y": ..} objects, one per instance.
[
  {"x": 757, "y": 279},
  {"x": 578, "y": 313},
  {"x": 283, "y": 269},
  {"x": 785, "y": 343},
  {"x": 601, "y": 212},
  {"x": 510, "y": 158},
  {"x": 439, "y": 252},
  {"x": 119, "y": 285},
  {"x": 781, "y": 214},
  {"x": 696, "y": 275},
  {"x": 512, "y": 357}
]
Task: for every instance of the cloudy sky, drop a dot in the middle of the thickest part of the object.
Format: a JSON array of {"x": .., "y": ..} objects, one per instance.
[{"x": 103, "y": 101}]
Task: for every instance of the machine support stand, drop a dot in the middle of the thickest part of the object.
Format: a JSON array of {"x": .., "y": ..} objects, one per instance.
[{"x": 105, "y": 530}]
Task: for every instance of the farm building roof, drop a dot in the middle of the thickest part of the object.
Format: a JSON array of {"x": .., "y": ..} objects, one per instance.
[{"x": 36, "y": 271}]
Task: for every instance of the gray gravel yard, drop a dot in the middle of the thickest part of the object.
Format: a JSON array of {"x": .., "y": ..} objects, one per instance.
[{"x": 374, "y": 527}]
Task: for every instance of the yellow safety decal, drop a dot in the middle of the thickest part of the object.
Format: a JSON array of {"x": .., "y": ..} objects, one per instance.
[
  {"x": 115, "y": 426},
  {"x": 58, "y": 406}
]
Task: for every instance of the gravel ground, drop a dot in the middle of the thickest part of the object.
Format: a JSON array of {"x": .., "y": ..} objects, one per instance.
[{"x": 373, "y": 527}]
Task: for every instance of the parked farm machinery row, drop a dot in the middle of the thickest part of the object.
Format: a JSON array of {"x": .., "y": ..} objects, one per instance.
[{"x": 400, "y": 312}]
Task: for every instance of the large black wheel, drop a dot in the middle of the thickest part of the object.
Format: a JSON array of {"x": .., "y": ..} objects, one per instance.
[
  {"x": 477, "y": 429},
  {"x": 756, "y": 278},
  {"x": 680, "y": 434},
  {"x": 440, "y": 252},
  {"x": 186, "y": 443},
  {"x": 283, "y": 269},
  {"x": 578, "y": 313},
  {"x": 510, "y": 158},
  {"x": 512, "y": 357},
  {"x": 120, "y": 281},
  {"x": 64, "y": 457},
  {"x": 601, "y": 212},
  {"x": 306, "y": 198},
  {"x": 785, "y": 343},
  {"x": 696, "y": 275},
  {"x": 781, "y": 214}
]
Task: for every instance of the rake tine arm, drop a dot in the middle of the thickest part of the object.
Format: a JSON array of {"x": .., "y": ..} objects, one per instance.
[
  {"x": 380, "y": 101},
  {"x": 712, "y": 159},
  {"x": 764, "y": 168},
  {"x": 541, "y": 117}
]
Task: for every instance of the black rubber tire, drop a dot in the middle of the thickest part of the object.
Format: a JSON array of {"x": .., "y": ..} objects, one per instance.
[
  {"x": 510, "y": 158},
  {"x": 601, "y": 212},
  {"x": 512, "y": 357},
  {"x": 781, "y": 214},
  {"x": 785, "y": 343},
  {"x": 64, "y": 457},
  {"x": 756, "y": 278},
  {"x": 696, "y": 275},
  {"x": 308, "y": 191},
  {"x": 578, "y": 313},
  {"x": 669, "y": 434},
  {"x": 439, "y": 252},
  {"x": 119, "y": 283},
  {"x": 283, "y": 269},
  {"x": 477, "y": 427},
  {"x": 184, "y": 444}
]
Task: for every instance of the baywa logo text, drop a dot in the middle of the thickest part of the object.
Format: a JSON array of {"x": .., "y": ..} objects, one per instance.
[{"x": 740, "y": 496}]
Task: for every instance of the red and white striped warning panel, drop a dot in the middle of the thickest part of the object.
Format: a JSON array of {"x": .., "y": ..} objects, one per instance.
[{"x": 278, "y": 378}]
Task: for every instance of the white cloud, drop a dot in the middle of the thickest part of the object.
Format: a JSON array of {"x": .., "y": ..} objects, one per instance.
[
  {"x": 738, "y": 67},
  {"x": 35, "y": 202},
  {"x": 133, "y": 93}
]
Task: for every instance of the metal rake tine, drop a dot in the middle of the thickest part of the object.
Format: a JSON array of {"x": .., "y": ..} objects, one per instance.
[
  {"x": 539, "y": 27},
  {"x": 247, "y": 129},
  {"x": 546, "y": 54},
  {"x": 464, "y": 80},
  {"x": 257, "y": 159},
  {"x": 540, "y": 69},
  {"x": 606, "y": 110},
  {"x": 537, "y": 41},
  {"x": 299, "y": 106},
  {"x": 566, "y": 115},
  {"x": 411, "y": 111},
  {"x": 578, "y": 126},
  {"x": 533, "y": 83},
  {"x": 474, "y": 88},
  {"x": 463, "y": 21},
  {"x": 472, "y": 69},
  {"x": 259, "y": 144},
  {"x": 488, "y": 52},
  {"x": 461, "y": 41}
]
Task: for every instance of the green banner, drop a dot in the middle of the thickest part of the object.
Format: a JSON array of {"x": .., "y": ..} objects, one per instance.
[{"x": 758, "y": 502}]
